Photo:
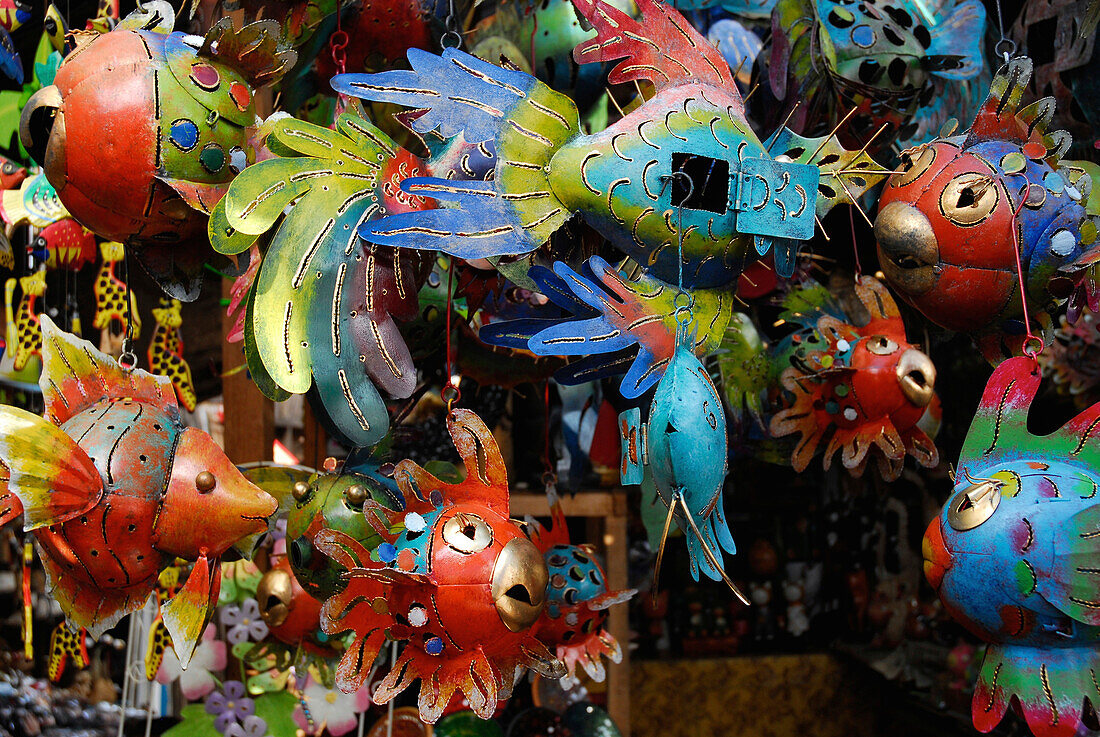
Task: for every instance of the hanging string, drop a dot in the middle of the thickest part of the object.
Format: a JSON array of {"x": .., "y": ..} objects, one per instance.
[
  {"x": 128, "y": 360},
  {"x": 682, "y": 301},
  {"x": 452, "y": 37},
  {"x": 1031, "y": 340},
  {"x": 338, "y": 42},
  {"x": 450, "y": 392},
  {"x": 1005, "y": 47},
  {"x": 549, "y": 476}
]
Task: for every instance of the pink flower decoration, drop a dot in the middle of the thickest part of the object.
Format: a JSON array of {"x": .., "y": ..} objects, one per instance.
[{"x": 197, "y": 681}]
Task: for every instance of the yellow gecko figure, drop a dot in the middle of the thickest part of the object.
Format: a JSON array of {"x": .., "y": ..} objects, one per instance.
[
  {"x": 27, "y": 330},
  {"x": 166, "y": 351},
  {"x": 110, "y": 299}
]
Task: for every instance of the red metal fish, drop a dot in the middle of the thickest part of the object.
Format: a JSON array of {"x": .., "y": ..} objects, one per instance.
[{"x": 114, "y": 488}]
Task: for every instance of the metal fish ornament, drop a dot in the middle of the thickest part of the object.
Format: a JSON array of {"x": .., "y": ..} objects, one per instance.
[
  {"x": 455, "y": 578},
  {"x": 952, "y": 224},
  {"x": 743, "y": 195},
  {"x": 577, "y": 601},
  {"x": 683, "y": 445},
  {"x": 165, "y": 122},
  {"x": 111, "y": 484},
  {"x": 860, "y": 391},
  {"x": 1013, "y": 556},
  {"x": 322, "y": 312},
  {"x": 862, "y": 66}
]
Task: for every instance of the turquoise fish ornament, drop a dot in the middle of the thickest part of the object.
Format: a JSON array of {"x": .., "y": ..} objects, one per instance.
[
  {"x": 738, "y": 197},
  {"x": 1014, "y": 556},
  {"x": 683, "y": 444}
]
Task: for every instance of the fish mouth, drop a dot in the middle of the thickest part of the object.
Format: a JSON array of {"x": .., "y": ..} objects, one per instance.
[
  {"x": 937, "y": 558},
  {"x": 518, "y": 585},
  {"x": 917, "y": 377},
  {"x": 907, "y": 248},
  {"x": 42, "y": 133}
]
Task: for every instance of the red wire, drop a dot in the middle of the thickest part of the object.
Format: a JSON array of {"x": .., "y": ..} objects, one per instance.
[
  {"x": 453, "y": 391},
  {"x": 1020, "y": 274}
]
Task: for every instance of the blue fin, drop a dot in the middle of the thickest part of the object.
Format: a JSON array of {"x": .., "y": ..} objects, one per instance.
[{"x": 959, "y": 36}]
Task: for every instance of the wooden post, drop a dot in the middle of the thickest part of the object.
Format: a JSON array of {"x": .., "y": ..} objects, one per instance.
[
  {"x": 314, "y": 438},
  {"x": 608, "y": 509},
  {"x": 249, "y": 415}
]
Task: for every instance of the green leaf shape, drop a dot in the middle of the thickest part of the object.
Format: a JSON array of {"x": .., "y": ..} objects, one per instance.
[
  {"x": 196, "y": 723},
  {"x": 277, "y": 709}
]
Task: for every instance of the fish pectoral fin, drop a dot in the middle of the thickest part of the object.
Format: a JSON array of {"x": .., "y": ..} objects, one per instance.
[
  {"x": 190, "y": 610},
  {"x": 52, "y": 476}
]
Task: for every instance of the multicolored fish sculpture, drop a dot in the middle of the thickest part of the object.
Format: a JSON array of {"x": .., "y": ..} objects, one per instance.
[
  {"x": 455, "y": 578},
  {"x": 859, "y": 66},
  {"x": 733, "y": 194},
  {"x": 577, "y": 601},
  {"x": 862, "y": 391},
  {"x": 1014, "y": 557},
  {"x": 111, "y": 483},
  {"x": 967, "y": 211},
  {"x": 168, "y": 121}
]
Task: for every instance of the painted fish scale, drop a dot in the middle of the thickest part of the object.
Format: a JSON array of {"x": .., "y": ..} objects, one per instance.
[{"x": 628, "y": 161}]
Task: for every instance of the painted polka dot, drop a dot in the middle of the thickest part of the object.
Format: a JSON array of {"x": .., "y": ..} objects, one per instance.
[
  {"x": 863, "y": 36},
  {"x": 414, "y": 522},
  {"x": 205, "y": 76},
  {"x": 843, "y": 346},
  {"x": 212, "y": 157},
  {"x": 240, "y": 95},
  {"x": 418, "y": 616},
  {"x": 850, "y": 414},
  {"x": 184, "y": 134},
  {"x": 1062, "y": 243},
  {"x": 433, "y": 646},
  {"x": 387, "y": 553}
]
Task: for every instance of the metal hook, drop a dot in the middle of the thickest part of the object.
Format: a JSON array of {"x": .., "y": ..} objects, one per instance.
[{"x": 682, "y": 319}]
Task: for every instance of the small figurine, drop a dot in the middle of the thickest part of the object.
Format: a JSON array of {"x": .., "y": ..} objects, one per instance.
[{"x": 166, "y": 352}]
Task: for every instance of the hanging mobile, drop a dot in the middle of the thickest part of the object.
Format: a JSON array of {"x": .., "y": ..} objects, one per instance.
[{"x": 683, "y": 445}]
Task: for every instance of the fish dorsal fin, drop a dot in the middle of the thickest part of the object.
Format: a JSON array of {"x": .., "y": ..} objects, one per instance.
[
  {"x": 997, "y": 117},
  {"x": 880, "y": 305},
  {"x": 1037, "y": 115},
  {"x": 557, "y": 533},
  {"x": 999, "y": 430},
  {"x": 661, "y": 47},
  {"x": 75, "y": 375},
  {"x": 1000, "y": 422}
]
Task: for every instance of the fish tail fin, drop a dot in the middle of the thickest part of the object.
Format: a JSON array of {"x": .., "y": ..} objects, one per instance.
[
  {"x": 527, "y": 123},
  {"x": 66, "y": 645},
  {"x": 76, "y": 375},
  {"x": 190, "y": 610},
  {"x": 1049, "y": 684},
  {"x": 956, "y": 49},
  {"x": 633, "y": 434},
  {"x": 50, "y": 475}
]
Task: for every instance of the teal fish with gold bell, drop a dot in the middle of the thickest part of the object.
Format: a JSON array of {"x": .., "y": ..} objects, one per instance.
[
  {"x": 142, "y": 131},
  {"x": 687, "y": 156}
]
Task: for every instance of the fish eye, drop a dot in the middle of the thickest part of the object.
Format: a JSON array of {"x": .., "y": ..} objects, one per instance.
[
  {"x": 300, "y": 491},
  {"x": 913, "y": 168},
  {"x": 880, "y": 345},
  {"x": 467, "y": 533},
  {"x": 205, "y": 482},
  {"x": 974, "y": 505},
  {"x": 969, "y": 199}
]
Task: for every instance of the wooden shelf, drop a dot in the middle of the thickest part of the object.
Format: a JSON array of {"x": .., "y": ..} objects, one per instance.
[{"x": 607, "y": 508}]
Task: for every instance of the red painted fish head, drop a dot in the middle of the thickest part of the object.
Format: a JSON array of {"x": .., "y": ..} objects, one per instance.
[
  {"x": 937, "y": 559},
  {"x": 11, "y": 173},
  {"x": 945, "y": 237},
  {"x": 891, "y": 379},
  {"x": 292, "y": 615},
  {"x": 210, "y": 505}
]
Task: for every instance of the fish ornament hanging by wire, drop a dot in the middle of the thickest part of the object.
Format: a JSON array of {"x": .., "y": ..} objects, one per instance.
[
  {"x": 546, "y": 170},
  {"x": 683, "y": 445},
  {"x": 1013, "y": 556},
  {"x": 111, "y": 483},
  {"x": 967, "y": 211},
  {"x": 577, "y": 601},
  {"x": 861, "y": 391},
  {"x": 323, "y": 308},
  {"x": 455, "y": 578},
  {"x": 862, "y": 66},
  {"x": 168, "y": 124},
  {"x": 165, "y": 352}
]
